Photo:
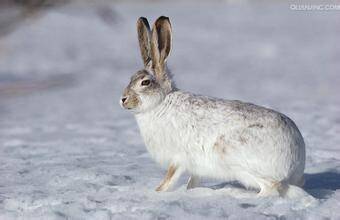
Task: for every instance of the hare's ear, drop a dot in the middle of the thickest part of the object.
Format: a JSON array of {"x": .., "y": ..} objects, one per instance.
[
  {"x": 143, "y": 30},
  {"x": 161, "y": 37}
]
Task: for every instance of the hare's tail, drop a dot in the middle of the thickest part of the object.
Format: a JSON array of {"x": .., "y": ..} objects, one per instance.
[
  {"x": 291, "y": 191},
  {"x": 297, "y": 193},
  {"x": 288, "y": 190}
]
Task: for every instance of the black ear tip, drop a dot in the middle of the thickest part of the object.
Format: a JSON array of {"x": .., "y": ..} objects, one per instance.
[
  {"x": 161, "y": 21},
  {"x": 143, "y": 20},
  {"x": 162, "y": 18}
]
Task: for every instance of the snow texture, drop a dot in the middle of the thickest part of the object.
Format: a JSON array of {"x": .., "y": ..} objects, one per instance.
[{"x": 68, "y": 151}]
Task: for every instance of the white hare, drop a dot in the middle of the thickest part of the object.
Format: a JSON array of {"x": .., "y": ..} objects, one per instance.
[{"x": 208, "y": 137}]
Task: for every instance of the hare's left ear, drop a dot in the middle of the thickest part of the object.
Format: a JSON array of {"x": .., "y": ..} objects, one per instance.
[
  {"x": 143, "y": 31},
  {"x": 161, "y": 37}
]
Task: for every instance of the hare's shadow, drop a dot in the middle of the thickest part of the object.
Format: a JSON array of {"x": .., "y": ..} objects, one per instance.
[
  {"x": 322, "y": 185},
  {"x": 319, "y": 185}
]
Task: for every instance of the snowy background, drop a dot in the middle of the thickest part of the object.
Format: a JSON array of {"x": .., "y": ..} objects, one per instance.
[{"x": 68, "y": 151}]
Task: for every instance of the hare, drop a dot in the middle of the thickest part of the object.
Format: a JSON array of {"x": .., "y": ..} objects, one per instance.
[{"x": 227, "y": 140}]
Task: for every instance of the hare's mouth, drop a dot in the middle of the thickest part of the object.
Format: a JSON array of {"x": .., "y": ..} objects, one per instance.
[
  {"x": 125, "y": 106},
  {"x": 130, "y": 102}
]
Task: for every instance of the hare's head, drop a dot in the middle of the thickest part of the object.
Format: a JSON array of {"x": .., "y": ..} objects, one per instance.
[{"x": 149, "y": 86}]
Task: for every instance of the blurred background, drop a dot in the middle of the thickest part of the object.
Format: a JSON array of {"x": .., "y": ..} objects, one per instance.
[{"x": 65, "y": 63}]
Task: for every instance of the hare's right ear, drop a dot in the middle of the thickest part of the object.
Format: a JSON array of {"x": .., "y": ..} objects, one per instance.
[
  {"x": 161, "y": 38},
  {"x": 144, "y": 32}
]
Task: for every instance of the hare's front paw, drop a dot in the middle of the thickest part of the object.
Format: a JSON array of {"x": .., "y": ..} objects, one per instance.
[
  {"x": 160, "y": 188},
  {"x": 170, "y": 178}
]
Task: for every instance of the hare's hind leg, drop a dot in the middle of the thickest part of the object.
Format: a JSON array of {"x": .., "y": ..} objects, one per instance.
[
  {"x": 268, "y": 188},
  {"x": 170, "y": 178},
  {"x": 193, "y": 182},
  {"x": 297, "y": 180}
]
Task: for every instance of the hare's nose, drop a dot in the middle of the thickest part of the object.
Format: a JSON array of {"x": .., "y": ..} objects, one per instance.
[{"x": 124, "y": 99}]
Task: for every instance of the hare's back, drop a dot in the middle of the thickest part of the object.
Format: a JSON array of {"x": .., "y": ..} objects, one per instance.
[
  {"x": 221, "y": 110},
  {"x": 236, "y": 119}
]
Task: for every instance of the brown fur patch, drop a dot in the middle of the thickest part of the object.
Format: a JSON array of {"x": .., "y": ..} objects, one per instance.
[
  {"x": 258, "y": 125},
  {"x": 166, "y": 181},
  {"x": 220, "y": 145}
]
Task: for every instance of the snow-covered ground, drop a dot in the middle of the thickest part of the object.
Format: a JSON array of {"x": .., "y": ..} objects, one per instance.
[{"x": 68, "y": 151}]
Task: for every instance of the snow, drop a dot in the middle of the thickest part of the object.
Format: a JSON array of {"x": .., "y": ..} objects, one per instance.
[{"x": 68, "y": 151}]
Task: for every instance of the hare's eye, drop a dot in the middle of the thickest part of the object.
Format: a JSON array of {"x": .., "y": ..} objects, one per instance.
[{"x": 145, "y": 82}]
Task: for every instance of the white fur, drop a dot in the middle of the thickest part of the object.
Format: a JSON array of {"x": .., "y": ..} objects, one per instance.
[{"x": 183, "y": 129}]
